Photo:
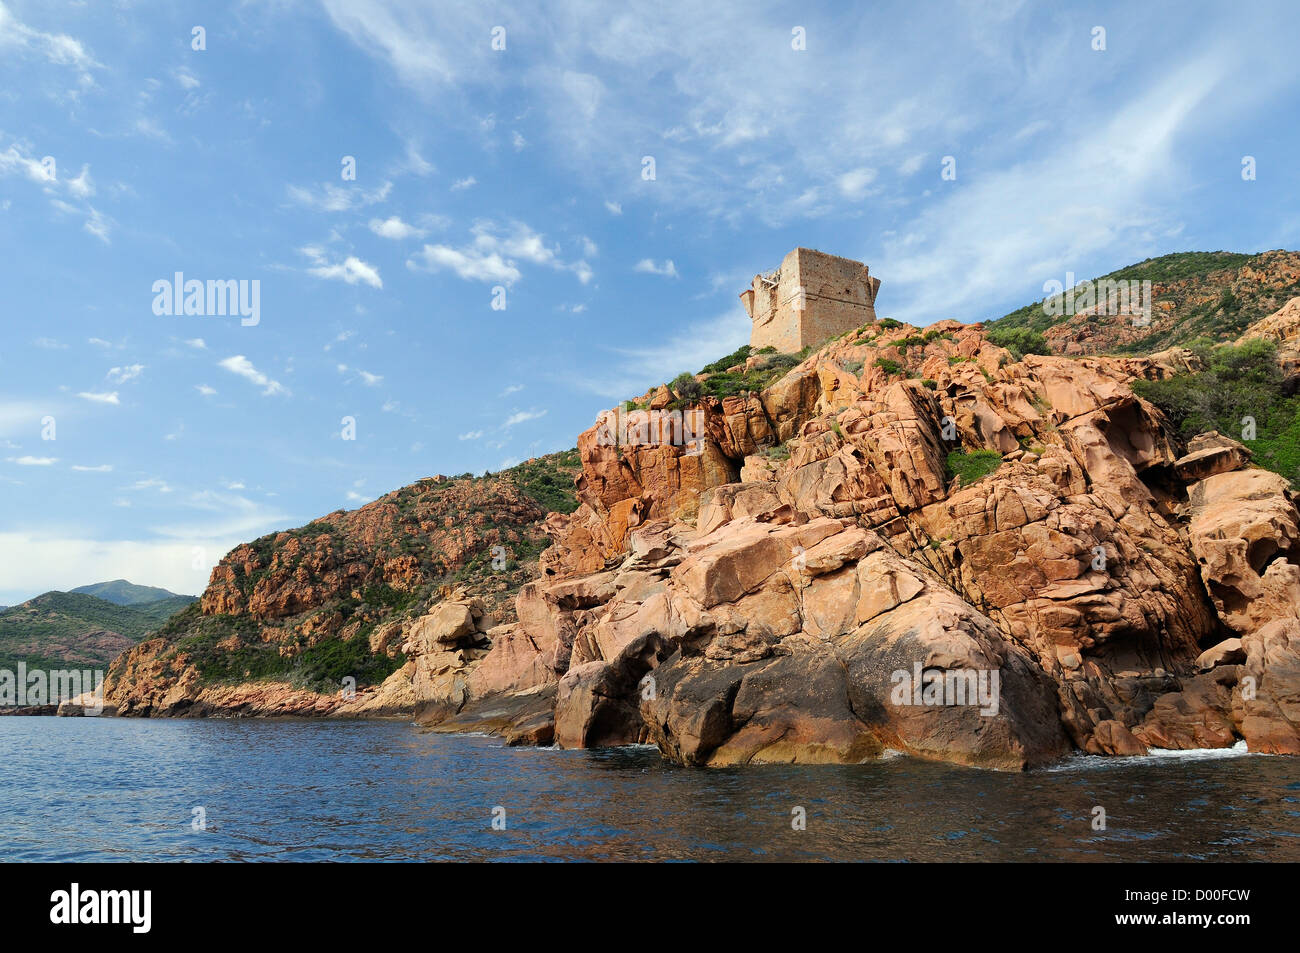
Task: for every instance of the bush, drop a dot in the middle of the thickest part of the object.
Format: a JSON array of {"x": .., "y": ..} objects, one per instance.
[
  {"x": 738, "y": 356},
  {"x": 686, "y": 387},
  {"x": 1238, "y": 381},
  {"x": 1019, "y": 341},
  {"x": 888, "y": 366},
  {"x": 972, "y": 466}
]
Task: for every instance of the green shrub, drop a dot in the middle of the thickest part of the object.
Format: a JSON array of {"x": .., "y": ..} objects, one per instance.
[
  {"x": 1237, "y": 381},
  {"x": 972, "y": 466},
  {"x": 889, "y": 367},
  {"x": 738, "y": 356},
  {"x": 1019, "y": 341},
  {"x": 686, "y": 387}
]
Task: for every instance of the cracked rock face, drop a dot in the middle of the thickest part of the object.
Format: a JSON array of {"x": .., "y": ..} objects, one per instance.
[
  {"x": 847, "y": 597},
  {"x": 808, "y": 583}
]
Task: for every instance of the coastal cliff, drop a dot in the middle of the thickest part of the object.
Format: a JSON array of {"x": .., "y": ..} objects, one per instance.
[{"x": 904, "y": 540}]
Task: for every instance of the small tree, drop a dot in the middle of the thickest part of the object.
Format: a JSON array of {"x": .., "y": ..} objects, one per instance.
[{"x": 686, "y": 387}]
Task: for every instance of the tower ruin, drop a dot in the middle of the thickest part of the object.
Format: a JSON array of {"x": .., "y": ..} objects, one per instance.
[{"x": 810, "y": 299}]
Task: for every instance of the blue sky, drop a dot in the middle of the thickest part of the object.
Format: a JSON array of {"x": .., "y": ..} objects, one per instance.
[{"x": 176, "y": 437}]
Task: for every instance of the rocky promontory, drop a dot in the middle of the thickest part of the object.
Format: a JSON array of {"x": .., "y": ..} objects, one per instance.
[{"x": 906, "y": 540}]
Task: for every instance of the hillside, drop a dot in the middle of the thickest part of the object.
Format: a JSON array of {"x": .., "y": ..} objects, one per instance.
[
  {"x": 308, "y": 606},
  {"x": 1210, "y": 295},
  {"x": 63, "y": 629},
  {"x": 124, "y": 593}
]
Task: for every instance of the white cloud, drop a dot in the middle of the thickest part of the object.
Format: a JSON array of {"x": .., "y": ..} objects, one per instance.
[
  {"x": 34, "y": 461},
  {"x": 58, "y": 48},
  {"x": 371, "y": 380},
  {"x": 395, "y": 228},
  {"x": 472, "y": 435},
  {"x": 1042, "y": 216},
  {"x": 186, "y": 79},
  {"x": 853, "y": 184},
  {"x": 336, "y": 198},
  {"x": 468, "y": 263},
  {"x": 81, "y": 187},
  {"x": 151, "y": 483},
  {"x": 649, "y": 267},
  {"x": 518, "y": 141},
  {"x": 417, "y": 163},
  {"x": 351, "y": 270},
  {"x": 238, "y": 364},
  {"x": 198, "y": 344},
  {"x": 512, "y": 389},
  {"x": 102, "y": 468},
  {"x": 494, "y": 255},
  {"x": 911, "y": 165},
  {"x": 100, "y": 398},
  {"x": 120, "y": 375},
  {"x": 205, "y": 390},
  {"x": 150, "y": 129},
  {"x": 466, "y": 183},
  {"x": 98, "y": 225},
  {"x": 614, "y": 208},
  {"x": 522, "y": 416}
]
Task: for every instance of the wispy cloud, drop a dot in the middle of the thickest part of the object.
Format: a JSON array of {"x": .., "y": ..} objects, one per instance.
[
  {"x": 522, "y": 416},
  {"x": 351, "y": 269},
  {"x": 120, "y": 375},
  {"x": 100, "y": 398},
  {"x": 243, "y": 367},
  {"x": 336, "y": 198},
  {"x": 395, "y": 228},
  {"x": 494, "y": 255},
  {"x": 649, "y": 266}
]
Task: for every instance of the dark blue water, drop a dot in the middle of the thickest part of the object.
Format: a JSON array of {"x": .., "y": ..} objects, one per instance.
[{"x": 94, "y": 789}]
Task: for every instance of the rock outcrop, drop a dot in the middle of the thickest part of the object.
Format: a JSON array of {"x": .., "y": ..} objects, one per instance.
[
  {"x": 814, "y": 585},
  {"x": 906, "y": 541}
]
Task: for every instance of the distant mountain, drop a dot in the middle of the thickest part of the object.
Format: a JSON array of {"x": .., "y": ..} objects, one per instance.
[
  {"x": 125, "y": 593},
  {"x": 64, "y": 629}
]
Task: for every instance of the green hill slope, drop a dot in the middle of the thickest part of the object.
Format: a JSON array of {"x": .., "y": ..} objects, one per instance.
[
  {"x": 64, "y": 629},
  {"x": 124, "y": 593},
  {"x": 1195, "y": 295}
]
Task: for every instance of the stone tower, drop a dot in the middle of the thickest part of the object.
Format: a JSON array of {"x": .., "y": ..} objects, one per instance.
[{"x": 810, "y": 299}]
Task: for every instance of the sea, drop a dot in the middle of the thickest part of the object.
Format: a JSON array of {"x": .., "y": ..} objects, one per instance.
[{"x": 118, "y": 789}]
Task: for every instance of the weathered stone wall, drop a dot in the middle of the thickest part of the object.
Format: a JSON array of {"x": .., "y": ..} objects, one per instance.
[{"x": 816, "y": 297}]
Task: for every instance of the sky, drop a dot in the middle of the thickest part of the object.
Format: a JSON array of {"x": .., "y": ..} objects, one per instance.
[{"x": 471, "y": 227}]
